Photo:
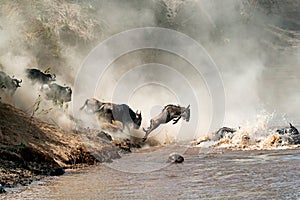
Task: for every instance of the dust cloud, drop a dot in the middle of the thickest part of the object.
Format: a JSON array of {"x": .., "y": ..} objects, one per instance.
[{"x": 255, "y": 46}]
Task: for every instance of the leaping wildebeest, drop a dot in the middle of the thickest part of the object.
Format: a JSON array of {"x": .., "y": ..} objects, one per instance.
[
  {"x": 170, "y": 112},
  {"x": 9, "y": 84},
  {"x": 37, "y": 76}
]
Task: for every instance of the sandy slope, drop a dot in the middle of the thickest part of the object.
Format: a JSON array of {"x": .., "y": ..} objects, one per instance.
[{"x": 30, "y": 148}]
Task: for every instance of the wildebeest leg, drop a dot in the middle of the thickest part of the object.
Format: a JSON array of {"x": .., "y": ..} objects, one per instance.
[
  {"x": 126, "y": 126},
  {"x": 84, "y": 105},
  {"x": 153, "y": 125},
  {"x": 176, "y": 120}
]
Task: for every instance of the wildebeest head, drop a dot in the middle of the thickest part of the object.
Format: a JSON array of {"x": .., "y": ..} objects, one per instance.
[
  {"x": 290, "y": 130},
  {"x": 49, "y": 78},
  {"x": 186, "y": 113},
  {"x": 52, "y": 77},
  {"x": 138, "y": 120},
  {"x": 9, "y": 84},
  {"x": 293, "y": 130},
  {"x": 17, "y": 82}
]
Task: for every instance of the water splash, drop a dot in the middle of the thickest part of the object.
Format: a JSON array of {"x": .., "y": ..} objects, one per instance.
[{"x": 251, "y": 135}]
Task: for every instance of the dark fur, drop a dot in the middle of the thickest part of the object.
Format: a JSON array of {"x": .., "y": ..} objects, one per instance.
[
  {"x": 292, "y": 130},
  {"x": 122, "y": 113},
  {"x": 36, "y": 76}
]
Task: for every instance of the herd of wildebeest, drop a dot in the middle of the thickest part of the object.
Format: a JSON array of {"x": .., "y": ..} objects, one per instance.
[
  {"x": 120, "y": 112},
  {"x": 53, "y": 91},
  {"x": 109, "y": 111}
]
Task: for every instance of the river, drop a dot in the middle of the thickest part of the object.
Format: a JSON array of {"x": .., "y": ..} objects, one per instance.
[{"x": 206, "y": 173}]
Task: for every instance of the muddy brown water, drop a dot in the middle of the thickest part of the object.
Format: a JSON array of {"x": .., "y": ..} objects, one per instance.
[{"x": 205, "y": 174}]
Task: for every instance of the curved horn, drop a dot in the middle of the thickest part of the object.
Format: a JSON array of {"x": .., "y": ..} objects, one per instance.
[
  {"x": 54, "y": 76},
  {"x": 20, "y": 81},
  {"x": 101, "y": 107}
]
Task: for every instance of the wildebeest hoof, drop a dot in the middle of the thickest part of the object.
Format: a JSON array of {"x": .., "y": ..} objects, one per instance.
[{"x": 175, "y": 158}]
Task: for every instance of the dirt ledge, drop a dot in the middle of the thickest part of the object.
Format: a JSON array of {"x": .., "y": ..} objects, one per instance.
[{"x": 31, "y": 149}]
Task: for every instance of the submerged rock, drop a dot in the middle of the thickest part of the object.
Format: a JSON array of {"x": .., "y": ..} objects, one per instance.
[{"x": 175, "y": 158}]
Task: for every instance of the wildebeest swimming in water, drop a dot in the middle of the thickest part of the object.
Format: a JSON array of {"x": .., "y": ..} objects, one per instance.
[
  {"x": 57, "y": 93},
  {"x": 289, "y": 130},
  {"x": 37, "y": 76},
  {"x": 114, "y": 112},
  {"x": 9, "y": 84},
  {"x": 170, "y": 112},
  {"x": 289, "y": 135},
  {"x": 223, "y": 132}
]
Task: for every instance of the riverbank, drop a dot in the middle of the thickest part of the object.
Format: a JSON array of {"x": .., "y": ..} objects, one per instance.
[{"x": 31, "y": 149}]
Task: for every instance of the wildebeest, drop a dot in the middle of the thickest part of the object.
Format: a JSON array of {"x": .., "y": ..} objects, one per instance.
[
  {"x": 9, "y": 84},
  {"x": 57, "y": 93},
  {"x": 113, "y": 112},
  {"x": 223, "y": 132},
  {"x": 37, "y": 76},
  {"x": 92, "y": 105},
  {"x": 170, "y": 112},
  {"x": 289, "y": 130},
  {"x": 122, "y": 113},
  {"x": 289, "y": 135}
]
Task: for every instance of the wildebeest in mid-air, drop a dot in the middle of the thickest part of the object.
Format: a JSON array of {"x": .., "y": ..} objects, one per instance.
[
  {"x": 37, "y": 76},
  {"x": 57, "y": 93},
  {"x": 114, "y": 112},
  {"x": 9, "y": 84},
  {"x": 170, "y": 112}
]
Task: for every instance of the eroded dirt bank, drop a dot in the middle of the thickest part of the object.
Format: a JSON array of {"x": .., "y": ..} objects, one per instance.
[{"x": 31, "y": 149}]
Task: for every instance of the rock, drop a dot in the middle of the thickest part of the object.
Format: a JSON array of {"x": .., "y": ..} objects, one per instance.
[
  {"x": 57, "y": 172},
  {"x": 126, "y": 145},
  {"x": 104, "y": 136},
  {"x": 2, "y": 190},
  {"x": 175, "y": 158}
]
